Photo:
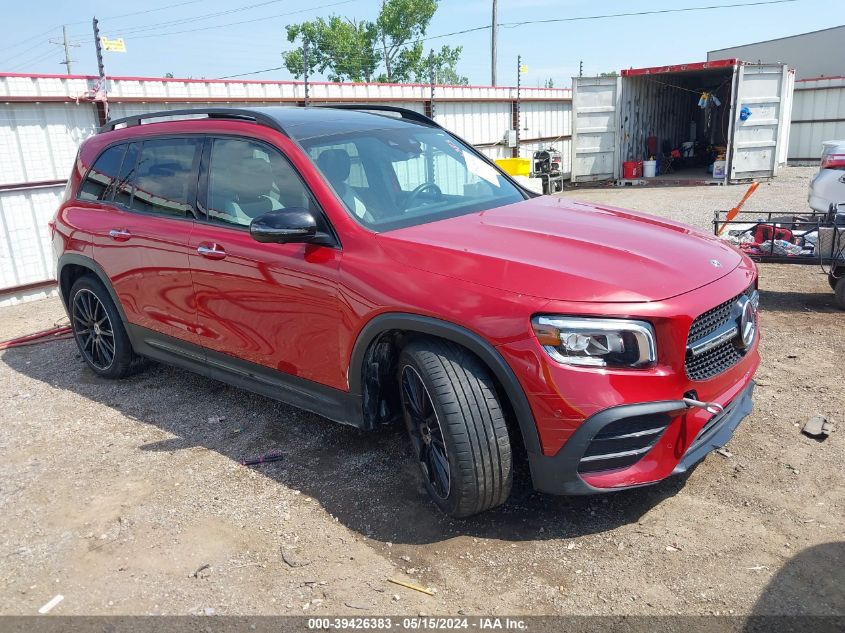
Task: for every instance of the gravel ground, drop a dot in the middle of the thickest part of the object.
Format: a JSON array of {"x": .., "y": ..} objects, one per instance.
[
  {"x": 128, "y": 497},
  {"x": 695, "y": 205}
]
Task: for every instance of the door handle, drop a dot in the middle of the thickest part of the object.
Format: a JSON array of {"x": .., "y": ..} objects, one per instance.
[
  {"x": 211, "y": 251},
  {"x": 120, "y": 235}
]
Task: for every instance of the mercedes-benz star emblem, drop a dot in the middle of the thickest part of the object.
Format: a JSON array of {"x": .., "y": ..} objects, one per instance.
[{"x": 747, "y": 322}]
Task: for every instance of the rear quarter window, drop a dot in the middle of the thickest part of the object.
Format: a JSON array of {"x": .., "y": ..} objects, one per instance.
[{"x": 99, "y": 183}]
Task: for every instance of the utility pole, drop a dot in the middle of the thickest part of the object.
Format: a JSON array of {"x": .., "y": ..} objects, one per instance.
[
  {"x": 67, "y": 46},
  {"x": 67, "y": 51},
  {"x": 581, "y": 68},
  {"x": 518, "y": 98},
  {"x": 431, "y": 78},
  {"x": 99, "y": 48},
  {"x": 307, "y": 64},
  {"x": 493, "y": 51}
]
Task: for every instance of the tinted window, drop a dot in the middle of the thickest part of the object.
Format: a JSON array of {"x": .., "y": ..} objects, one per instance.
[
  {"x": 401, "y": 176},
  {"x": 123, "y": 182},
  {"x": 164, "y": 176},
  {"x": 248, "y": 179},
  {"x": 98, "y": 183}
]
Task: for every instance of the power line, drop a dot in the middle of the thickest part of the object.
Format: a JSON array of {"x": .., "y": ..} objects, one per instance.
[
  {"x": 26, "y": 50},
  {"x": 636, "y": 13},
  {"x": 254, "y": 72},
  {"x": 38, "y": 58},
  {"x": 112, "y": 17},
  {"x": 261, "y": 19},
  {"x": 196, "y": 18},
  {"x": 29, "y": 39},
  {"x": 145, "y": 11}
]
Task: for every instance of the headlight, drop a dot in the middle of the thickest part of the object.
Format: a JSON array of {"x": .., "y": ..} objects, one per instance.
[{"x": 597, "y": 342}]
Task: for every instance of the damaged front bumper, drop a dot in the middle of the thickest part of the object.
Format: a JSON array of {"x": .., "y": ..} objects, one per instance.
[{"x": 635, "y": 445}]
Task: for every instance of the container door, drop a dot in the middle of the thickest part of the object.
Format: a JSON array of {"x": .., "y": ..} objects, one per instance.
[
  {"x": 595, "y": 148},
  {"x": 759, "y": 115}
]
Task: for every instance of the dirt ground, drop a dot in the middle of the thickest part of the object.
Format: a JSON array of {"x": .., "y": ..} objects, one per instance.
[{"x": 128, "y": 497}]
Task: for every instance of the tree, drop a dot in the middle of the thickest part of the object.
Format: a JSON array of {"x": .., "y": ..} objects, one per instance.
[{"x": 345, "y": 49}]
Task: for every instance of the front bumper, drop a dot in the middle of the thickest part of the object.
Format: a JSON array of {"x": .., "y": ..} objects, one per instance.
[{"x": 559, "y": 473}]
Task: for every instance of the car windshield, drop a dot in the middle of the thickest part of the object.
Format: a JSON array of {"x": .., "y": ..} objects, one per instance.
[{"x": 408, "y": 175}]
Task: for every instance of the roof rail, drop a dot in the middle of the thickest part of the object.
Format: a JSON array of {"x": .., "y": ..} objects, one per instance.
[
  {"x": 405, "y": 113},
  {"x": 241, "y": 114}
]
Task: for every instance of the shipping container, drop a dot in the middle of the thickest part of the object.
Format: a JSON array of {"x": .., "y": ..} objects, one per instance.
[{"x": 715, "y": 122}]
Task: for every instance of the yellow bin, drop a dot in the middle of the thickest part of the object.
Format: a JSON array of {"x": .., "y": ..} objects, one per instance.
[{"x": 515, "y": 166}]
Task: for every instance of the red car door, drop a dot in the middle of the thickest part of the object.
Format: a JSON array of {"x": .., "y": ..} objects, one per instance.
[
  {"x": 273, "y": 305},
  {"x": 143, "y": 242}
]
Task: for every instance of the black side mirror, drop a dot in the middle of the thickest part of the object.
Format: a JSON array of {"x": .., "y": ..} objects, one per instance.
[{"x": 285, "y": 226}]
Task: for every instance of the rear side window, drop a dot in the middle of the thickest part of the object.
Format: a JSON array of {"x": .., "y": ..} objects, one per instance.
[
  {"x": 99, "y": 183},
  {"x": 165, "y": 176}
]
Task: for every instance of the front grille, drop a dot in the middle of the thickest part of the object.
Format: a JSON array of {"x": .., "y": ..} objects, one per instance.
[
  {"x": 623, "y": 443},
  {"x": 722, "y": 357}
]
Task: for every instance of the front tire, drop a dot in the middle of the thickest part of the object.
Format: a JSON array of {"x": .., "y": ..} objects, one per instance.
[
  {"x": 98, "y": 330},
  {"x": 457, "y": 427}
]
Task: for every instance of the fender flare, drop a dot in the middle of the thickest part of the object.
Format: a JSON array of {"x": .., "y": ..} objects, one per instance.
[
  {"x": 94, "y": 267},
  {"x": 488, "y": 354}
]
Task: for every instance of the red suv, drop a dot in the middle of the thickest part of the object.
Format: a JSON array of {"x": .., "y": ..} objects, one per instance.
[{"x": 367, "y": 265}]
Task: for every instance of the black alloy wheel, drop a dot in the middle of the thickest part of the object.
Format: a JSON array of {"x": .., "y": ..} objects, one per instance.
[
  {"x": 426, "y": 433},
  {"x": 93, "y": 329}
]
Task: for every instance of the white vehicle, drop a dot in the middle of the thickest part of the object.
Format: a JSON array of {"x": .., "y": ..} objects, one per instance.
[{"x": 828, "y": 186}]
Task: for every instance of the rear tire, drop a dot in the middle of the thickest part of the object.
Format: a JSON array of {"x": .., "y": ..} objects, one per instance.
[
  {"x": 456, "y": 425},
  {"x": 832, "y": 280},
  {"x": 98, "y": 330}
]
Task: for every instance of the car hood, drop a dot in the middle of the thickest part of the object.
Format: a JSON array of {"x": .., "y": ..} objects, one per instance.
[{"x": 561, "y": 249}]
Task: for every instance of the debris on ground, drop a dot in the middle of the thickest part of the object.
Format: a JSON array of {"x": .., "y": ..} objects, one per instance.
[
  {"x": 410, "y": 585},
  {"x": 292, "y": 560},
  {"x": 724, "y": 452},
  {"x": 818, "y": 427},
  {"x": 273, "y": 456},
  {"x": 361, "y": 606},
  {"x": 200, "y": 570},
  {"x": 49, "y": 606}
]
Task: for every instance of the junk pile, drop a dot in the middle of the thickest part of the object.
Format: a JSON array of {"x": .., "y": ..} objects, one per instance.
[{"x": 814, "y": 235}]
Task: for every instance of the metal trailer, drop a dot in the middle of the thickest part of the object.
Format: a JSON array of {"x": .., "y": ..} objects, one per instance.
[
  {"x": 815, "y": 239},
  {"x": 613, "y": 116}
]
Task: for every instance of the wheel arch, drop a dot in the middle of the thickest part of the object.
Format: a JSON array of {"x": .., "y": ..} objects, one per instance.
[
  {"x": 71, "y": 266},
  {"x": 366, "y": 346}
]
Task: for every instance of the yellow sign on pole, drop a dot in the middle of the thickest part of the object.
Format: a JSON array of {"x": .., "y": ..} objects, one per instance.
[
  {"x": 113, "y": 46},
  {"x": 523, "y": 69}
]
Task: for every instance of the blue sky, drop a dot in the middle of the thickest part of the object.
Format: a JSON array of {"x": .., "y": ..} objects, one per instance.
[{"x": 549, "y": 50}]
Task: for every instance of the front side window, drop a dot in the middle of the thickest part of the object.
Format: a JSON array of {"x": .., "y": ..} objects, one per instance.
[
  {"x": 247, "y": 179},
  {"x": 165, "y": 176},
  {"x": 407, "y": 175},
  {"x": 99, "y": 183}
]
